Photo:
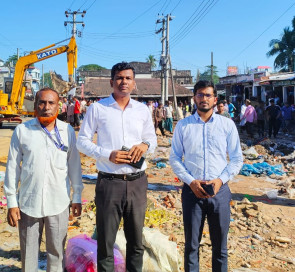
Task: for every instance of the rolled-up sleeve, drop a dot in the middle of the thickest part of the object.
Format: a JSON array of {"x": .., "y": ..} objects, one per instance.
[
  {"x": 85, "y": 136},
  {"x": 74, "y": 168},
  {"x": 13, "y": 170},
  {"x": 176, "y": 155},
  {"x": 235, "y": 156}
]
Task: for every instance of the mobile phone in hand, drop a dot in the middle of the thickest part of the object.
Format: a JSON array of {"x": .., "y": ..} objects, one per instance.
[{"x": 208, "y": 188}]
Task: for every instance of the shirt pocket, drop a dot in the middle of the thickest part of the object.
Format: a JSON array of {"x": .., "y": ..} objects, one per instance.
[
  {"x": 217, "y": 143},
  {"x": 60, "y": 159}
]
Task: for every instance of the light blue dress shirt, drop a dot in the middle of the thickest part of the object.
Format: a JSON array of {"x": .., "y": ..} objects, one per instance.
[{"x": 199, "y": 150}]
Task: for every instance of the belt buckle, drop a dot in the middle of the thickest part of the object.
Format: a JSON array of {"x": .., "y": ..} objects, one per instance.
[{"x": 125, "y": 177}]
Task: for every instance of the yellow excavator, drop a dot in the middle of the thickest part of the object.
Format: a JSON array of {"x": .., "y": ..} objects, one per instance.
[{"x": 12, "y": 97}]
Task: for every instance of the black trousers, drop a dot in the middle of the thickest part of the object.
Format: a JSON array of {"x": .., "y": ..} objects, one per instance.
[
  {"x": 76, "y": 119},
  {"x": 117, "y": 198},
  {"x": 260, "y": 126},
  {"x": 159, "y": 124},
  {"x": 273, "y": 127},
  {"x": 195, "y": 211}
]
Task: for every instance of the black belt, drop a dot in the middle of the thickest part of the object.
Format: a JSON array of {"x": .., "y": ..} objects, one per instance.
[{"x": 129, "y": 177}]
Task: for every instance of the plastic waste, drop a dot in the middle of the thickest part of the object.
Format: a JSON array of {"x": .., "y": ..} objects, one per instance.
[
  {"x": 161, "y": 165},
  {"x": 81, "y": 255},
  {"x": 272, "y": 194},
  {"x": 262, "y": 168}
]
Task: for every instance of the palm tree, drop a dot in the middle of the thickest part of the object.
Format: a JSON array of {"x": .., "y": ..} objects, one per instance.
[
  {"x": 152, "y": 60},
  {"x": 284, "y": 49}
]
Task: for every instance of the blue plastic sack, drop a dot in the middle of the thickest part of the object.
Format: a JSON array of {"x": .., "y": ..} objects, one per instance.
[{"x": 262, "y": 168}]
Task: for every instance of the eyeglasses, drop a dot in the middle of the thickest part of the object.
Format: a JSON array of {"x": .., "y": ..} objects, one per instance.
[{"x": 201, "y": 95}]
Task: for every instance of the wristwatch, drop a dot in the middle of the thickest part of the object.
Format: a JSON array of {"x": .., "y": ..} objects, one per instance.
[{"x": 147, "y": 143}]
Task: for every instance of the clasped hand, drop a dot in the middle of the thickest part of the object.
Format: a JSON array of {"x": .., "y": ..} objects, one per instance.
[
  {"x": 133, "y": 155},
  {"x": 200, "y": 192}
]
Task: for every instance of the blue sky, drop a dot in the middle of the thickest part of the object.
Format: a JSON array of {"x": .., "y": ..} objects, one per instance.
[{"x": 236, "y": 31}]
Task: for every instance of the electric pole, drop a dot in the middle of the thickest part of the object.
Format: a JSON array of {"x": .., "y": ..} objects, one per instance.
[
  {"x": 74, "y": 30},
  {"x": 168, "y": 18},
  {"x": 74, "y": 22},
  {"x": 163, "y": 54}
]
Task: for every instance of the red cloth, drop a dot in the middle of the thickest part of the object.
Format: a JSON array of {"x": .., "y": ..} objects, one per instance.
[{"x": 77, "y": 107}]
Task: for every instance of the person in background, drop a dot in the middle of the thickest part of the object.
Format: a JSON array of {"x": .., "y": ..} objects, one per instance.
[
  {"x": 287, "y": 118},
  {"x": 77, "y": 110},
  {"x": 206, "y": 152},
  {"x": 70, "y": 112},
  {"x": 43, "y": 167},
  {"x": 231, "y": 108},
  {"x": 221, "y": 109},
  {"x": 169, "y": 116},
  {"x": 242, "y": 112},
  {"x": 83, "y": 110},
  {"x": 225, "y": 105},
  {"x": 179, "y": 110},
  {"x": 60, "y": 109},
  {"x": 160, "y": 118},
  {"x": 250, "y": 116},
  {"x": 260, "y": 110},
  {"x": 274, "y": 118},
  {"x": 64, "y": 109},
  {"x": 151, "y": 107}
]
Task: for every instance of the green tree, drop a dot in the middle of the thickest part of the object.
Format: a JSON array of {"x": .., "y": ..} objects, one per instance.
[
  {"x": 91, "y": 67},
  {"x": 47, "y": 80},
  {"x": 284, "y": 49},
  {"x": 11, "y": 61},
  {"x": 207, "y": 74},
  {"x": 152, "y": 60}
]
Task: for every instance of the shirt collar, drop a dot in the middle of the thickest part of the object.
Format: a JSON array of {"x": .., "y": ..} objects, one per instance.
[
  {"x": 113, "y": 101},
  {"x": 58, "y": 123},
  {"x": 198, "y": 118}
]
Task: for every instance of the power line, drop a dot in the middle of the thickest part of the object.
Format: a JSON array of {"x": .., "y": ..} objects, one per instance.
[
  {"x": 194, "y": 23},
  {"x": 82, "y": 5},
  {"x": 175, "y": 6},
  {"x": 91, "y": 5},
  {"x": 263, "y": 32},
  {"x": 188, "y": 20},
  {"x": 71, "y": 4},
  {"x": 147, "y": 10}
]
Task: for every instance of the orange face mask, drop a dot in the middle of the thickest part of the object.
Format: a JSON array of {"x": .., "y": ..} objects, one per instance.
[{"x": 45, "y": 121}]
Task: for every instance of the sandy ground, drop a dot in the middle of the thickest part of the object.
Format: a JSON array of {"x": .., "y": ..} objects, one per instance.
[{"x": 268, "y": 255}]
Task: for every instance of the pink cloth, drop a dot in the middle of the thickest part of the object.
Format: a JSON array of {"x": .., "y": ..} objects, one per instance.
[{"x": 250, "y": 114}]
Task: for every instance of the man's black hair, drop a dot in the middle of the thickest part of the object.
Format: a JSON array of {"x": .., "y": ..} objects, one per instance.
[
  {"x": 121, "y": 66},
  {"x": 204, "y": 84},
  {"x": 220, "y": 102}
]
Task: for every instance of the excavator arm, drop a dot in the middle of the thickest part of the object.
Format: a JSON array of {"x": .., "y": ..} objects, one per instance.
[{"x": 17, "y": 94}]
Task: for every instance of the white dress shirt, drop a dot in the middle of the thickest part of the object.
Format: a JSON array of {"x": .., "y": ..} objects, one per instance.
[
  {"x": 115, "y": 128},
  {"x": 46, "y": 174}
]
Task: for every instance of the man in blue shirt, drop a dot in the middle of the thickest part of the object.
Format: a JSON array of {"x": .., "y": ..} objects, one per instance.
[{"x": 200, "y": 145}]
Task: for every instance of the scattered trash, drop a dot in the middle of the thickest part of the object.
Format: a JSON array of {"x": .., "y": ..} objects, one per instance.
[
  {"x": 262, "y": 168},
  {"x": 81, "y": 255},
  {"x": 91, "y": 176},
  {"x": 161, "y": 165},
  {"x": 272, "y": 194}
]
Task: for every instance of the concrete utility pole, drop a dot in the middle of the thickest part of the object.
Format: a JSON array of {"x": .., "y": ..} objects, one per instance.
[
  {"x": 163, "y": 54},
  {"x": 168, "y": 18},
  {"x": 74, "y": 22},
  {"x": 74, "y": 30}
]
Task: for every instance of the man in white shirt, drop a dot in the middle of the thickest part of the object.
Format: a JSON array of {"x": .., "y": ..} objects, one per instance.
[
  {"x": 121, "y": 188},
  {"x": 43, "y": 165}
]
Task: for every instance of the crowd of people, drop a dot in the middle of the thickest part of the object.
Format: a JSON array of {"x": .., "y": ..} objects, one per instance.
[{"x": 43, "y": 167}]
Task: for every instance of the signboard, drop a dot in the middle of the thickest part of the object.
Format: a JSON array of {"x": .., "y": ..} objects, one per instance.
[{"x": 232, "y": 70}]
